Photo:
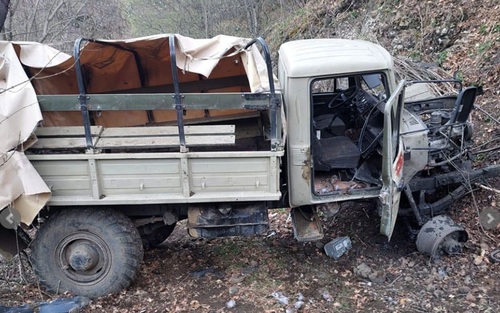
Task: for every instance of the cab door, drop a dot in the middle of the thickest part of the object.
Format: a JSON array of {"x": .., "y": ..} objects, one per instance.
[{"x": 393, "y": 159}]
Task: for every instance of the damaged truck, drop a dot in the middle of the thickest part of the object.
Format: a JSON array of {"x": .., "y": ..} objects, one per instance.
[{"x": 105, "y": 151}]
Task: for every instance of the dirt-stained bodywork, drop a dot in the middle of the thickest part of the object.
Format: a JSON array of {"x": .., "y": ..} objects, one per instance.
[{"x": 140, "y": 134}]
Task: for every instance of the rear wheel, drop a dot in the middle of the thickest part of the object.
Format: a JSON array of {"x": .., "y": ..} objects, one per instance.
[{"x": 88, "y": 252}]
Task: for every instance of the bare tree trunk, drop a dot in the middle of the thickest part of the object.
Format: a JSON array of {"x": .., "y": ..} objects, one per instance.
[
  {"x": 205, "y": 12},
  {"x": 253, "y": 17},
  {"x": 4, "y": 9},
  {"x": 256, "y": 20}
]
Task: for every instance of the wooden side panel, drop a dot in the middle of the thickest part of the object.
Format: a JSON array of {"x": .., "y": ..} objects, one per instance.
[
  {"x": 51, "y": 119},
  {"x": 229, "y": 67},
  {"x": 171, "y": 115},
  {"x": 121, "y": 118}
]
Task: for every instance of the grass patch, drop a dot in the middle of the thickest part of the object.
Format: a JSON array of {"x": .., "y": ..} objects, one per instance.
[
  {"x": 228, "y": 249},
  {"x": 442, "y": 56},
  {"x": 484, "y": 29},
  {"x": 483, "y": 47},
  {"x": 414, "y": 55}
]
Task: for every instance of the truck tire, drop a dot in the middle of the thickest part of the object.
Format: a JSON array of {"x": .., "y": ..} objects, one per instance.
[
  {"x": 87, "y": 252},
  {"x": 159, "y": 235}
]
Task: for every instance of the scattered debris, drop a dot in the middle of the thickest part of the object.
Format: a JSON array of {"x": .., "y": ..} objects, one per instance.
[
  {"x": 273, "y": 233},
  {"x": 236, "y": 279},
  {"x": 298, "y": 305},
  {"x": 231, "y": 304},
  {"x": 329, "y": 209},
  {"x": 207, "y": 271},
  {"x": 363, "y": 270},
  {"x": 326, "y": 295},
  {"x": 325, "y": 184},
  {"x": 495, "y": 256},
  {"x": 378, "y": 277},
  {"x": 337, "y": 247},
  {"x": 280, "y": 297},
  {"x": 233, "y": 290},
  {"x": 61, "y": 305},
  {"x": 250, "y": 269}
]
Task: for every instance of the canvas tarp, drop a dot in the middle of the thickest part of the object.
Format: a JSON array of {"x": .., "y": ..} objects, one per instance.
[{"x": 109, "y": 66}]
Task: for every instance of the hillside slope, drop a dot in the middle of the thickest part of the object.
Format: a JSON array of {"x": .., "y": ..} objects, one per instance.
[{"x": 458, "y": 36}]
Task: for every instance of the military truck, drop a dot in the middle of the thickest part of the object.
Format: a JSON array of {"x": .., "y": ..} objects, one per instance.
[{"x": 220, "y": 153}]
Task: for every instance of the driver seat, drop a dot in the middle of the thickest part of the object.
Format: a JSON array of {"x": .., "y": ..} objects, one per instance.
[{"x": 334, "y": 152}]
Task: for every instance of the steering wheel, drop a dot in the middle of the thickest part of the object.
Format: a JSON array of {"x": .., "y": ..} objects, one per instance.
[{"x": 344, "y": 97}]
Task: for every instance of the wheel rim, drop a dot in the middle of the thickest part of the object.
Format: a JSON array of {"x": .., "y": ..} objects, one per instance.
[
  {"x": 441, "y": 234},
  {"x": 83, "y": 257}
]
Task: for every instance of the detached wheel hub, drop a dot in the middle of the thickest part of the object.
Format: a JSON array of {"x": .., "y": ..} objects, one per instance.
[{"x": 441, "y": 235}]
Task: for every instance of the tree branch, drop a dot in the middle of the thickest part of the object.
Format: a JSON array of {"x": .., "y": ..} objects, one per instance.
[{"x": 4, "y": 9}]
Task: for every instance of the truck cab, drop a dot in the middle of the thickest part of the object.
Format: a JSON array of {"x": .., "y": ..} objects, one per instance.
[{"x": 340, "y": 99}]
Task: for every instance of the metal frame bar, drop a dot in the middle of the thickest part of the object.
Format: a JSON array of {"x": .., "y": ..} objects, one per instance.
[
  {"x": 437, "y": 81},
  {"x": 155, "y": 101},
  {"x": 177, "y": 96},
  {"x": 275, "y": 101},
  {"x": 83, "y": 97}
]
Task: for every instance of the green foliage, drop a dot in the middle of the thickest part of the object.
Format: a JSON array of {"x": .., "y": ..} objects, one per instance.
[
  {"x": 442, "y": 56},
  {"x": 414, "y": 55},
  {"x": 484, "y": 29},
  {"x": 354, "y": 14},
  {"x": 484, "y": 47},
  {"x": 228, "y": 249}
]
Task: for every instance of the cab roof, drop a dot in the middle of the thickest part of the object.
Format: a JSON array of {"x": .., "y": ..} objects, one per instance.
[{"x": 320, "y": 57}]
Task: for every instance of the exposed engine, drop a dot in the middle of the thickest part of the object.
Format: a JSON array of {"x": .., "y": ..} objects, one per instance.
[{"x": 444, "y": 120}]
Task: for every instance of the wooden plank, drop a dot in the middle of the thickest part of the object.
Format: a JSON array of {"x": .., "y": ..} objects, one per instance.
[
  {"x": 61, "y": 143},
  {"x": 158, "y": 142},
  {"x": 195, "y": 86},
  {"x": 167, "y": 131},
  {"x": 66, "y": 131}
]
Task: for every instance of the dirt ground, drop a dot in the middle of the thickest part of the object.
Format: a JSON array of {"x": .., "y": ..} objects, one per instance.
[{"x": 275, "y": 273}]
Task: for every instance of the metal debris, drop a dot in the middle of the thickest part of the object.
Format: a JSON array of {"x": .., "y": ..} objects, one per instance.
[
  {"x": 62, "y": 305},
  {"x": 206, "y": 271},
  {"x": 231, "y": 304},
  {"x": 280, "y": 297},
  {"x": 337, "y": 247}
]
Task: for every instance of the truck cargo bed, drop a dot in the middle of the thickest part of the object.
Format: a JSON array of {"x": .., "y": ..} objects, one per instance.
[{"x": 151, "y": 178}]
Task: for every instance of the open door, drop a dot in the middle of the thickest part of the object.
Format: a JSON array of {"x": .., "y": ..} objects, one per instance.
[{"x": 393, "y": 159}]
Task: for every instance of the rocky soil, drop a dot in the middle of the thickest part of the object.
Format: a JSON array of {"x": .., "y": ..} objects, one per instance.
[{"x": 274, "y": 273}]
